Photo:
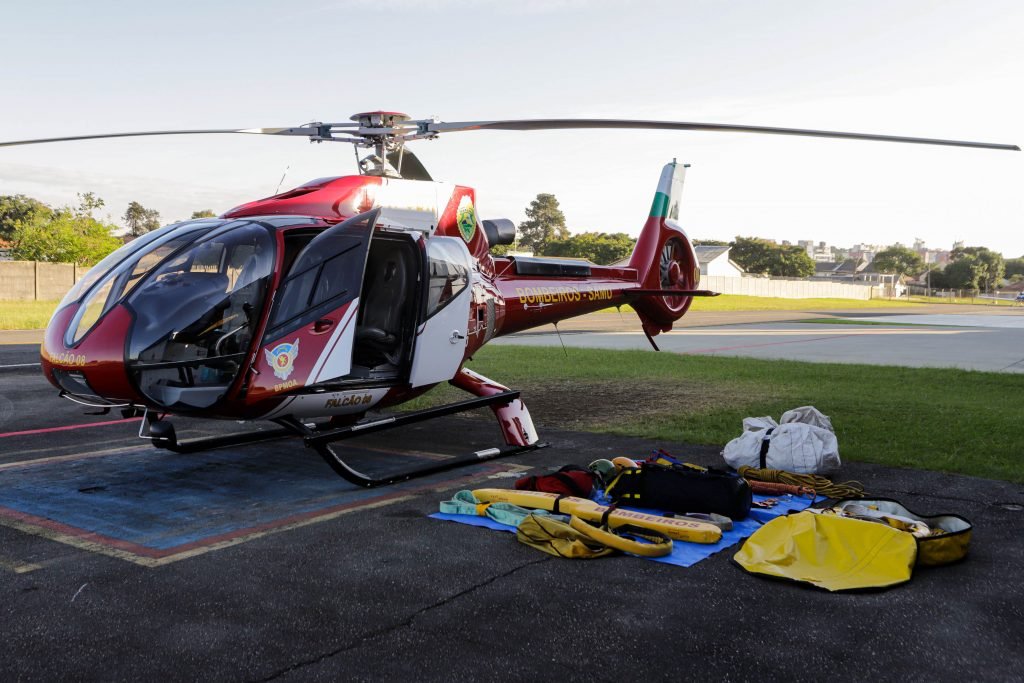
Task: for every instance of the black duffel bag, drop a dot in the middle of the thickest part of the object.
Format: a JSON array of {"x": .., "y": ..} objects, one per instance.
[{"x": 682, "y": 488}]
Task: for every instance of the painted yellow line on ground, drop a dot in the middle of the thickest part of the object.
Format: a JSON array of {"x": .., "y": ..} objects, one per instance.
[
  {"x": 18, "y": 567},
  {"x": 72, "y": 456}
]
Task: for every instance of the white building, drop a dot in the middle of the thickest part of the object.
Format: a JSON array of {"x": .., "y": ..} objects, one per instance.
[{"x": 716, "y": 261}]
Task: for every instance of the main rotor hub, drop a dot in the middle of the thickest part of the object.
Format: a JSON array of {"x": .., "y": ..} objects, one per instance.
[{"x": 380, "y": 119}]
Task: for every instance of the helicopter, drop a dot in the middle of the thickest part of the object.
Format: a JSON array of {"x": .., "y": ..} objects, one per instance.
[{"x": 347, "y": 294}]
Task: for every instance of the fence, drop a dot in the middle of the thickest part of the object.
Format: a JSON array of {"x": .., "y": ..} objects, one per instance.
[
  {"x": 37, "y": 280},
  {"x": 790, "y": 289}
]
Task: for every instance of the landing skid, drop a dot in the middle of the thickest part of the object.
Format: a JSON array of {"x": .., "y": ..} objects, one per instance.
[
  {"x": 322, "y": 442},
  {"x": 162, "y": 434}
]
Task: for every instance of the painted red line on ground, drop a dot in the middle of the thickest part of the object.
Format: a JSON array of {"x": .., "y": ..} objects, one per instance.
[
  {"x": 47, "y": 430},
  {"x": 778, "y": 343},
  {"x": 78, "y": 533}
]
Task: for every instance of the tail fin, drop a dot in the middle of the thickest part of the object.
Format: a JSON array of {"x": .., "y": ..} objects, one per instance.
[{"x": 663, "y": 256}]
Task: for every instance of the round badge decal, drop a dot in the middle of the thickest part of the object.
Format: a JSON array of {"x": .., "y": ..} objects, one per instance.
[
  {"x": 466, "y": 218},
  {"x": 282, "y": 358}
]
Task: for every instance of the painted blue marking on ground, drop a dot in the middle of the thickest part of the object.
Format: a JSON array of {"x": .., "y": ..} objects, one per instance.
[{"x": 162, "y": 500}]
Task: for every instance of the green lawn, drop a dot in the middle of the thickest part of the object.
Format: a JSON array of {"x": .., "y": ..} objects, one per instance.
[
  {"x": 907, "y": 417},
  {"x": 738, "y": 302},
  {"x": 25, "y": 315}
]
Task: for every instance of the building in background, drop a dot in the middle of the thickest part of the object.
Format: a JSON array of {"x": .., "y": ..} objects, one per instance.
[{"x": 716, "y": 261}]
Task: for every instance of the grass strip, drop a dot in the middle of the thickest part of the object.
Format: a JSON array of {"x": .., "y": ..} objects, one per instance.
[
  {"x": 926, "y": 418},
  {"x": 25, "y": 315}
]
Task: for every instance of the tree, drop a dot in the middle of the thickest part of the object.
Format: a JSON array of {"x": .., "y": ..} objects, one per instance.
[
  {"x": 65, "y": 235},
  {"x": 1014, "y": 266},
  {"x": 963, "y": 273},
  {"x": 898, "y": 260},
  {"x": 764, "y": 257},
  {"x": 989, "y": 265},
  {"x": 139, "y": 220},
  {"x": 544, "y": 222},
  {"x": 598, "y": 247},
  {"x": 710, "y": 243},
  {"x": 18, "y": 208},
  {"x": 205, "y": 213}
]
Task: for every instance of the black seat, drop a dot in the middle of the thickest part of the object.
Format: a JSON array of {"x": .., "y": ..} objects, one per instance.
[{"x": 384, "y": 293}]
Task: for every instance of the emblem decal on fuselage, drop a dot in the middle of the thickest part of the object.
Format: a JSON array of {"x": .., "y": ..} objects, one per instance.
[
  {"x": 466, "y": 218},
  {"x": 282, "y": 358}
]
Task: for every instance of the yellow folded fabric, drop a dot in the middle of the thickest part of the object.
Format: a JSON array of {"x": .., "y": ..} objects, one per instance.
[{"x": 834, "y": 553}]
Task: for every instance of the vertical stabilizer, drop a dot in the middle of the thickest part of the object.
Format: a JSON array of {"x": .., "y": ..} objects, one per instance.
[{"x": 663, "y": 256}]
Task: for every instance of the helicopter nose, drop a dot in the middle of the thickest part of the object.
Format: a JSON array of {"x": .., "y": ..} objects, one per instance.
[{"x": 93, "y": 369}]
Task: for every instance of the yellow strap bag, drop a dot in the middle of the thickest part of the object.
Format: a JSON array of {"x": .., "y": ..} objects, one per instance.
[{"x": 830, "y": 552}]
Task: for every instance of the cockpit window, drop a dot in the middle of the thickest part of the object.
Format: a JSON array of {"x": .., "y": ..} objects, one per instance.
[
  {"x": 134, "y": 263},
  {"x": 196, "y": 315}
]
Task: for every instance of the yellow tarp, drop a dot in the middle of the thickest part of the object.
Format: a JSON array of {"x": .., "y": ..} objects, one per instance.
[{"x": 830, "y": 552}]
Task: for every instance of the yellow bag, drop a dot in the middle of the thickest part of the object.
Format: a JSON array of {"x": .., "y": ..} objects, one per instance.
[
  {"x": 949, "y": 544},
  {"x": 834, "y": 553},
  {"x": 559, "y": 539}
]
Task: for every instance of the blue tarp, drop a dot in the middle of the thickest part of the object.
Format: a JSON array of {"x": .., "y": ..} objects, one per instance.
[{"x": 683, "y": 554}]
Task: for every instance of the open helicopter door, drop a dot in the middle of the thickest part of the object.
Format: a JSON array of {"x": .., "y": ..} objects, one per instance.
[
  {"x": 311, "y": 330},
  {"x": 441, "y": 337}
]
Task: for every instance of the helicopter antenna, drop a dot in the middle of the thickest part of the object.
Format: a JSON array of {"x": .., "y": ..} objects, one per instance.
[
  {"x": 559, "y": 333},
  {"x": 281, "y": 181}
]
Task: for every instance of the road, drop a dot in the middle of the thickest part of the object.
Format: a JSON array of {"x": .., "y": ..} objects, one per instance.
[{"x": 980, "y": 338}]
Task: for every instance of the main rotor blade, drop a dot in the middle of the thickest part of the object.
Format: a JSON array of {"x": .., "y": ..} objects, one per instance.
[
  {"x": 565, "y": 124},
  {"x": 301, "y": 130}
]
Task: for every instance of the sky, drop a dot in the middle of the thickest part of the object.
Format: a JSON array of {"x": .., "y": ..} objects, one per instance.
[{"x": 933, "y": 69}]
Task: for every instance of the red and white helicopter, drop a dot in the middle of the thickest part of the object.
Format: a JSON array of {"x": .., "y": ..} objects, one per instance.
[{"x": 348, "y": 294}]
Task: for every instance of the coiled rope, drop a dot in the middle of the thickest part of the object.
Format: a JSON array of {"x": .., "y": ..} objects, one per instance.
[{"x": 818, "y": 485}]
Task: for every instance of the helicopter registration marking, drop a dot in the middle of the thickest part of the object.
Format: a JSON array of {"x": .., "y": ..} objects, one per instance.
[
  {"x": 72, "y": 359},
  {"x": 365, "y": 399},
  {"x": 550, "y": 295}
]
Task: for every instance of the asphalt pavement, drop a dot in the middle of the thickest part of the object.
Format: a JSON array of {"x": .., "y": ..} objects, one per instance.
[
  {"x": 121, "y": 562},
  {"x": 983, "y": 338}
]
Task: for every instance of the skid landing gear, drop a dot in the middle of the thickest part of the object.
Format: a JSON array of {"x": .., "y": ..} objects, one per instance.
[
  {"x": 161, "y": 432},
  {"x": 322, "y": 441}
]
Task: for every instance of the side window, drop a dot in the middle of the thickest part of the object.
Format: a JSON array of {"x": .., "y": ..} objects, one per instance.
[{"x": 448, "y": 272}]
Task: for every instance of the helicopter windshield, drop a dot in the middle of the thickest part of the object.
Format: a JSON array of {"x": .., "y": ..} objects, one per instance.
[
  {"x": 196, "y": 315},
  {"x": 113, "y": 277}
]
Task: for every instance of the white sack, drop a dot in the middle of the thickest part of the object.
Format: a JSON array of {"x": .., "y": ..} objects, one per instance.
[
  {"x": 794, "y": 446},
  {"x": 808, "y": 415}
]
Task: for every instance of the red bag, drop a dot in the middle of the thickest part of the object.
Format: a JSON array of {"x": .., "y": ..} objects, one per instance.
[{"x": 571, "y": 480}]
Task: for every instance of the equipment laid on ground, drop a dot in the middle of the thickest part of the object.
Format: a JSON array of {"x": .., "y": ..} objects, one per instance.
[
  {"x": 579, "y": 539},
  {"x": 854, "y": 544},
  {"x": 830, "y": 552},
  {"x": 313, "y": 306},
  {"x": 561, "y": 535},
  {"x": 770, "y": 482},
  {"x": 803, "y": 442},
  {"x": 570, "y": 480},
  {"x": 675, "y": 528},
  {"x": 664, "y": 483},
  {"x": 941, "y": 539}
]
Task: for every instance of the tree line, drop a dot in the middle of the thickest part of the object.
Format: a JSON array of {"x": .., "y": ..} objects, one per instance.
[{"x": 35, "y": 231}]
